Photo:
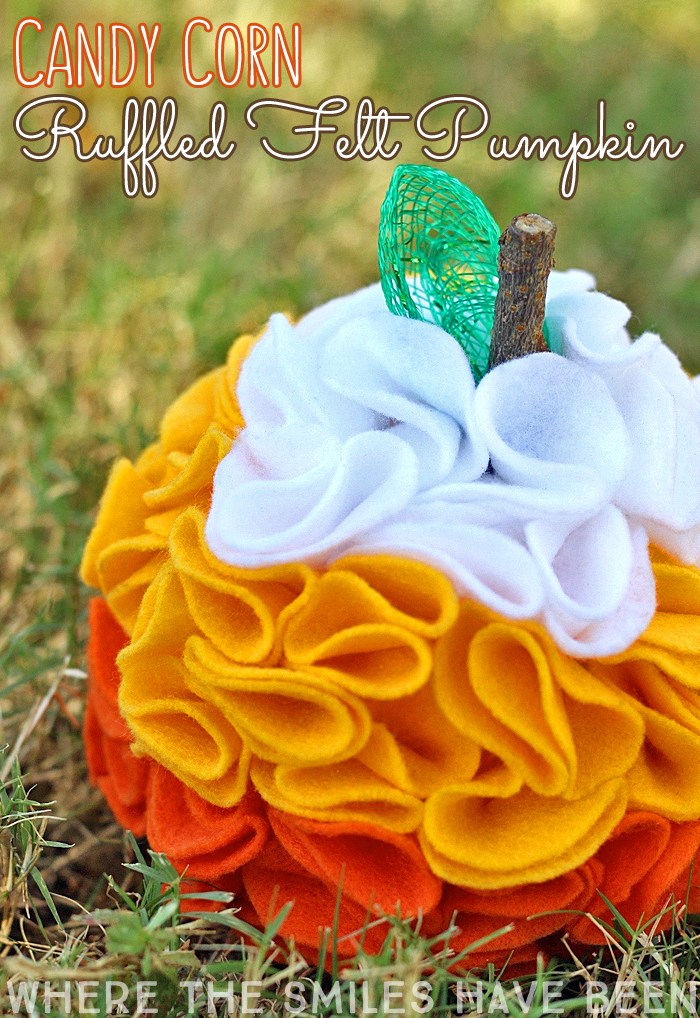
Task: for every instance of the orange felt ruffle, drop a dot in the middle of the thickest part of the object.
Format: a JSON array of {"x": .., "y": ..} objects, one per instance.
[
  {"x": 209, "y": 842},
  {"x": 377, "y": 869},
  {"x": 307, "y": 862},
  {"x": 121, "y": 776},
  {"x": 643, "y": 867},
  {"x": 275, "y": 878},
  {"x": 525, "y": 914}
]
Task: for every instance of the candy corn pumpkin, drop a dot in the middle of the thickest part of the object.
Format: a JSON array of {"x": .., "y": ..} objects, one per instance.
[{"x": 374, "y": 617}]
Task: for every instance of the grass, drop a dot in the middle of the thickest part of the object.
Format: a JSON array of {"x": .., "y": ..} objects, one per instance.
[
  {"x": 146, "y": 948},
  {"x": 109, "y": 307},
  {"x": 145, "y": 940}
]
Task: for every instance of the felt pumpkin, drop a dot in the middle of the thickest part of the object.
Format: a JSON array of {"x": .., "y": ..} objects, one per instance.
[{"x": 373, "y": 616}]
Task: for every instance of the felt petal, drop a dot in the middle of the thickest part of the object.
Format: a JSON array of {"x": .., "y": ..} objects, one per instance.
[
  {"x": 138, "y": 509},
  {"x": 683, "y": 544},
  {"x": 671, "y": 876},
  {"x": 345, "y": 792},
  {"x": 550, "y": 424},
  {"x": 164, "y": 622},
  {"x": 619, "y": 629},
  {"x": 122, "y": 514},
  {"x": 283, "y": 716},
  {"x": 125, "y": 570},
  {"x": 678, "y": 590},
  {"x": 192, "y": 484},
  {"x": 414, "y": 595},
  {"x": 348, "y": 634},
  {"x": 512, "y": 692},
  {"x": 493, "y": 502},
  {"x": 636, "y": 844},
  {"x": 294, "y": 449},
  {"x": 663, "y": 478},
  {"x": 304, "y": 517},
  {"x": 112, "y": 766},
  {"x": 239, "y": 610},
  {"x": 415, "y": 747},
  {"x": 299, "y": 494},
  {"x": 227, "y": 412},
  {"x": 528, "y": 912},
  {"x": 571, "y": 722},
  {"x": 320, "y": 323},
  {"x": 388, "y": 365},
  {"x": 271, "y": 387},
  {"x": 665, "y": 365},
  {"x": 586, "y": 569},
  {"x": 274, "y": 878},
  {"x": 177, "y": 728},
  {"x": 672, "y": 639},
  {"x": 606, "y": 729},
  {"x": 189, "y": 416},
  {"x": 107, "y": 639},
  {"x": 572, "y": 281},
  {"x": 642, "y": 862},
  {"x": 375, "y": 867},
  {"x": 210, "y": 400},
  {"x": 188, "y": 736},
  {"x": 484, "y": 836},
  {"x": 280, "y": 383},
  {"x": 665, "y": 777},
  {"x": 121, "y": 777},
  {"x": 482, "y": 562},
  {"x": 210, "y": 841},
  {"x": 519, "y": 706},
  {"x": 561, "y": 892},
  {"x": 590, "y": 329}
]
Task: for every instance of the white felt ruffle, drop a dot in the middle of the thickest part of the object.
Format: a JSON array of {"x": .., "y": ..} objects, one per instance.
[
  {"x": 487, "y": 562},
  {"x": 343, "y": 427},
  {"x": 536, "y": 492},
  {"x": 551, "y": 425}
]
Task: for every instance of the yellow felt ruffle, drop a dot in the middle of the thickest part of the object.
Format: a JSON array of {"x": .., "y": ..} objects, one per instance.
[
  {"x": 142, "y": 501},
  {"x": 351, "y": 636},
  {"x": 411, "y": 594},
  {"x": 415, "y": 747},
  {"x": 495, "y": 832},
  {"x": 312, "y": 679},
  {"x": 121, "y": 557},
  {"x": 168, "y": 722},
  {"x": 179, "y": 690},
  {"x": 241, "y": 611},
  {"x": 210, "y": 400},
  {"x": 672, "y": 638},
  {"x": 659, "y": 676},
  {"x": 325, "y": 684},
  {"x": 283, "y": 716},
  {"x": 346, "y": 792},
  {"x": 507, "y": 687}
]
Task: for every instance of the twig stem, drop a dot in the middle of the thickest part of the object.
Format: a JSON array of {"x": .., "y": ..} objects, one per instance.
[{"x": 525, "y": 259}]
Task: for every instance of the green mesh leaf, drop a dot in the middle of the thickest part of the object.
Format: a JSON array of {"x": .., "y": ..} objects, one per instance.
[{"x": 438, "y": 257}]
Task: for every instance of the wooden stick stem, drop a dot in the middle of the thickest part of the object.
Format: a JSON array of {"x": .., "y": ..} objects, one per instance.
[{"x": 525, "y": 259}]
